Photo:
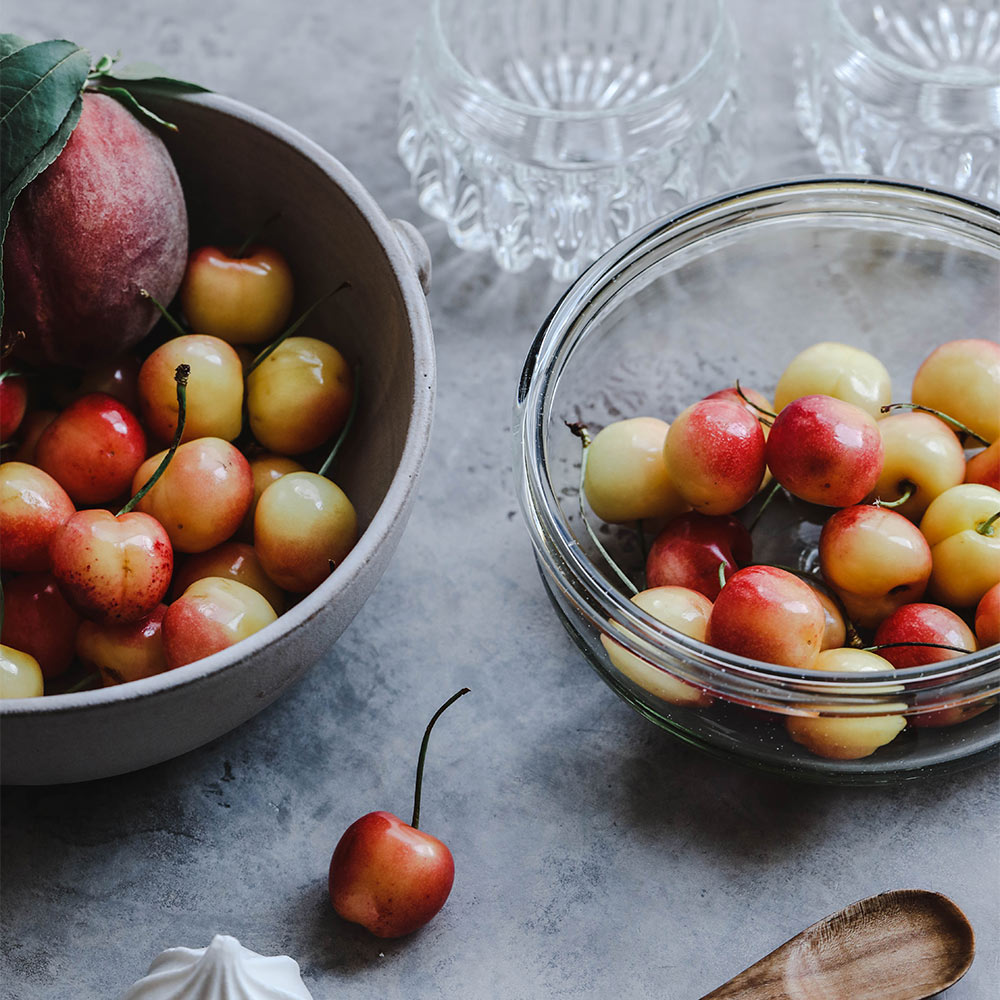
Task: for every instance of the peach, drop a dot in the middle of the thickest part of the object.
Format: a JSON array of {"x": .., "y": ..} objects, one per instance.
[{"x": 105, "y": 220}]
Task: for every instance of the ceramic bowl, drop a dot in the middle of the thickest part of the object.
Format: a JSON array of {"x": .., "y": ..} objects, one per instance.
[
  {"x": 735, "y": 288},
  {"x": 238, "y": 166}
]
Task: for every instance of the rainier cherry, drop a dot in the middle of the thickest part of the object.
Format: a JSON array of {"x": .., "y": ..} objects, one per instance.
[
  {"x": 390, "y": 876},
  {"x": 20, "y": 675},
  {"x": 33, "y": 507},
  {"x": 38, "y": 621},
  {"x": 987, "y": 620},
  {"x": 984, "y": 466},
  {"x": 838, "y": 370},
  {"x": 125, "y": 652}
]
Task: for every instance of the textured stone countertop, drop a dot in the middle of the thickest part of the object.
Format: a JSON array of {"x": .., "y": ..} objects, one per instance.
[{"x": 596, "y": 856}]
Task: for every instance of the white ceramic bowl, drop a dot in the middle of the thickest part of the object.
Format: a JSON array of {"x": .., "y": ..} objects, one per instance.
[{"x": 238, "y": 166}]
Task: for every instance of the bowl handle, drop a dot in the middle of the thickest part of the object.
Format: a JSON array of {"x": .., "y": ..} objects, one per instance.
[{"x": 415, "y": 247}]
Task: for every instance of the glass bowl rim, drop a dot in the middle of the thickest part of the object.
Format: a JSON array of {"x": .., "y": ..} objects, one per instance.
[
  {"x": 687, "y": 82},
  {"x": 911, "y": 72},
  {"x": 556, "y": 550}
]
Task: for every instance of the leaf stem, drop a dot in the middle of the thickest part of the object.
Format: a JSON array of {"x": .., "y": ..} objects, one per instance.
[
  {"x": 181, "y": 378},
  {"x": 349, "y": 423},
  {"x": 418, "y": 784}
]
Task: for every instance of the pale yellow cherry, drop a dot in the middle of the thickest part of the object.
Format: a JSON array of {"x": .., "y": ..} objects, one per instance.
[
  {"x": 850, "y": 734},
  {"x": 626, "y": 477},
  {"x": 921, "y": 452},
  {"x": 682, "y": 609},
  {"x": 839, "y": 370},
  {"x": 232, "y": 561},
  {"x": 20, "y": 675},
  {"x": 835, "y": 631},
  {"x": 965, "y": 544},
  {"x": 962, "y": 379},
  {"x": 299, "y": 396},
  {"x": 303, "y": 528},
  {"x": 265, "y": 469}
]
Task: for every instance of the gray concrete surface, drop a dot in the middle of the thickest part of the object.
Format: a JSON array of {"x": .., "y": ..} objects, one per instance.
[{"x": 596, "y": 857}]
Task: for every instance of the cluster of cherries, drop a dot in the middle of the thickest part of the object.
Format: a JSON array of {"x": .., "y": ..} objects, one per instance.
[
  {"x": 223, "y": 528},
  {"x": 917, "y": 514}
]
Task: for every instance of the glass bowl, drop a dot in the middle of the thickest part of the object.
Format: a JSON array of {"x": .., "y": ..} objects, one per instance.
[
  {"x": 735, "y": 288},
  {"x": 908, "y": 89},
  {"x": 547, "y": 129}
]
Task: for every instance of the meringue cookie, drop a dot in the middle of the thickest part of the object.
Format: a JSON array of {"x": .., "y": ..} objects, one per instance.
[{"x": 225, "y": 970}]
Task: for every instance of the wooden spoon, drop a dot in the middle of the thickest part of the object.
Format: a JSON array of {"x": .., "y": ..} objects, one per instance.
[{"x": 903, "y": 945}]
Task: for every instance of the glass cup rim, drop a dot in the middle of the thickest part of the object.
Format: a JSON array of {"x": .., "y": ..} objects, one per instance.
[
  {"x": 554, "y": 544},
  {"x": 894, "y": 63},
  {"x": 512, "y": 106}
]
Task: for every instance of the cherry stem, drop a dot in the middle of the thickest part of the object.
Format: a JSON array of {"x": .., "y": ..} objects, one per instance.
[
  {"x": 345, "y": 430},
  {"x": 931, "y": 645},
  {"x": 767, "y": 502},
  {"x": 908, "y": 490},
  {"x": 83, "y": 683},
  {"x": 181, "y": 378},
  {"x": 274, "y": 345},
  {"x": 245, "y": 245},
  {"x": 746, "y": 399},
  {"x": 986, "y": 528},
  {"x": 181, "y": 332},
  {"x": 580, "y": 431},
  {"x": 722, "y": 575},
  {"x": 950, "y": 421},
  {"x": 415, "y": 822}
]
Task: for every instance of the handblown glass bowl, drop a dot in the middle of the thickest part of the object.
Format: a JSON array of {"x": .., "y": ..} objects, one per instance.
[
  {"x": 908, "y": 89},
  {"x": 735, "y": 288},
  {"x": 547, "y": 129}
]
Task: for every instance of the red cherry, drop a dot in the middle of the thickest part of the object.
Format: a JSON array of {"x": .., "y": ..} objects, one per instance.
[
  {"x": 922, "y": 623},
  {"x": 692, "y": 548},
  {"x": 37, "y": 620},
  {"x": 987, "y": 620},
  {"x": 13, "y": 403},
  {"x": 390, "y": 876},
  {"x": 93, "y": 448}
]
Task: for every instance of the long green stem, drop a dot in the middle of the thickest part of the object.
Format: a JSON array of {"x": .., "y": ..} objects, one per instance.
[
  {"x": 349, "y": 423},
  {"x": 181, "y": 378},
  {"x": 418, "y": 784},
  {"x": 908, "y": 490},
  {"x": 772, "y": 493},
  {"x": 581, "y": 432},
  {"x": 932, "y": 645},
  {"x": 181, "y": 332},
  {"x": 746, "y": 399},
  {"x": 950, "y": 421},
  {"x": 275, "y": 344},
  {"x": 245, "y": 245}
]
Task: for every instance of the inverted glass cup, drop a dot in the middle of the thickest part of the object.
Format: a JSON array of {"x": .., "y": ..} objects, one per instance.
[
  {"x": 551, "y": 129},
  {"x": 734, "y": 288}
]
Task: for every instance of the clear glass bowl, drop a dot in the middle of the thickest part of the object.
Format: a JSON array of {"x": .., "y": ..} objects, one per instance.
[
  {"x": 553, "y": 128},
  {"x": 735, "y": 288},
  {"x": 908, "y": 89}
]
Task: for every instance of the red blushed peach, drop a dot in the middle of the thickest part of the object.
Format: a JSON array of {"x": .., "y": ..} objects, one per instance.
[
  {"x": 126, "y": 652},
  {"x": 105, "y": 220},
  {"x": 211, "y": 615},
  {"x": 766, "y": 613},
  {"x": 38, "y": 621},
  {"x": 202, "y": 496},
  {"x": 33, "y": 507}
]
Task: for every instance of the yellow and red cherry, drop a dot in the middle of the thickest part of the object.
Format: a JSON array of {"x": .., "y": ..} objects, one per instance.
[
  {"x": 32, "y": 427},
  {"x": 768, "y": 614},
  {"x": 304, "y": 526},
  {"x": 923, "y": 458},
  {"x": 962, "y": 378},
  {"x": 117, "y": 377},
  {"x": 265, "y": 469},
  {"x": 232, "y": 561},
  {"x": 202, "y": 496},
  {"x": 987, "y": 620},
  {"x": 299, "y": 395},
  {"x": 92, "y": 449},
  {"x": 211, "y": 615},
  {"x": 389, "y": 876},
  {"x": 962, "y": 527},
  {"x": 33, "y": 507},
  {"x": 682, "y": 609},
  {"x": 20, "y": 674},
  {"x": 697, "y": 551},
  {"x": 241, "y": 297},
  {"x": 626, "y": 477},
  {"x": 825, "y": 451},
  {"x": 13, "y": 404},
  {"x": 714, "y": 453},
  {"x": 875, "y": 560},
  {"x": 39, "y": 621},
  {"x": 847, "y": 737},
  {"x": 835, "y": 628},
  {"x": 839, "y": 370},
  {"x": 125, "y": 652},
  {"x": 214, "y": 395},
  {"x": 984, "y": 467}
]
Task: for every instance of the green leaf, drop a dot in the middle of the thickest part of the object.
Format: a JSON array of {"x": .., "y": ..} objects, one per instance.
[
  {"x": 145, "y": 72},
  {"x": 127, "y": 98},
  {"x": 40, "y": 104}
]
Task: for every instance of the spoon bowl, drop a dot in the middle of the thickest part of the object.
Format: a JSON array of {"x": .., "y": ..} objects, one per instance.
[{"x": 908, "y": 944}]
